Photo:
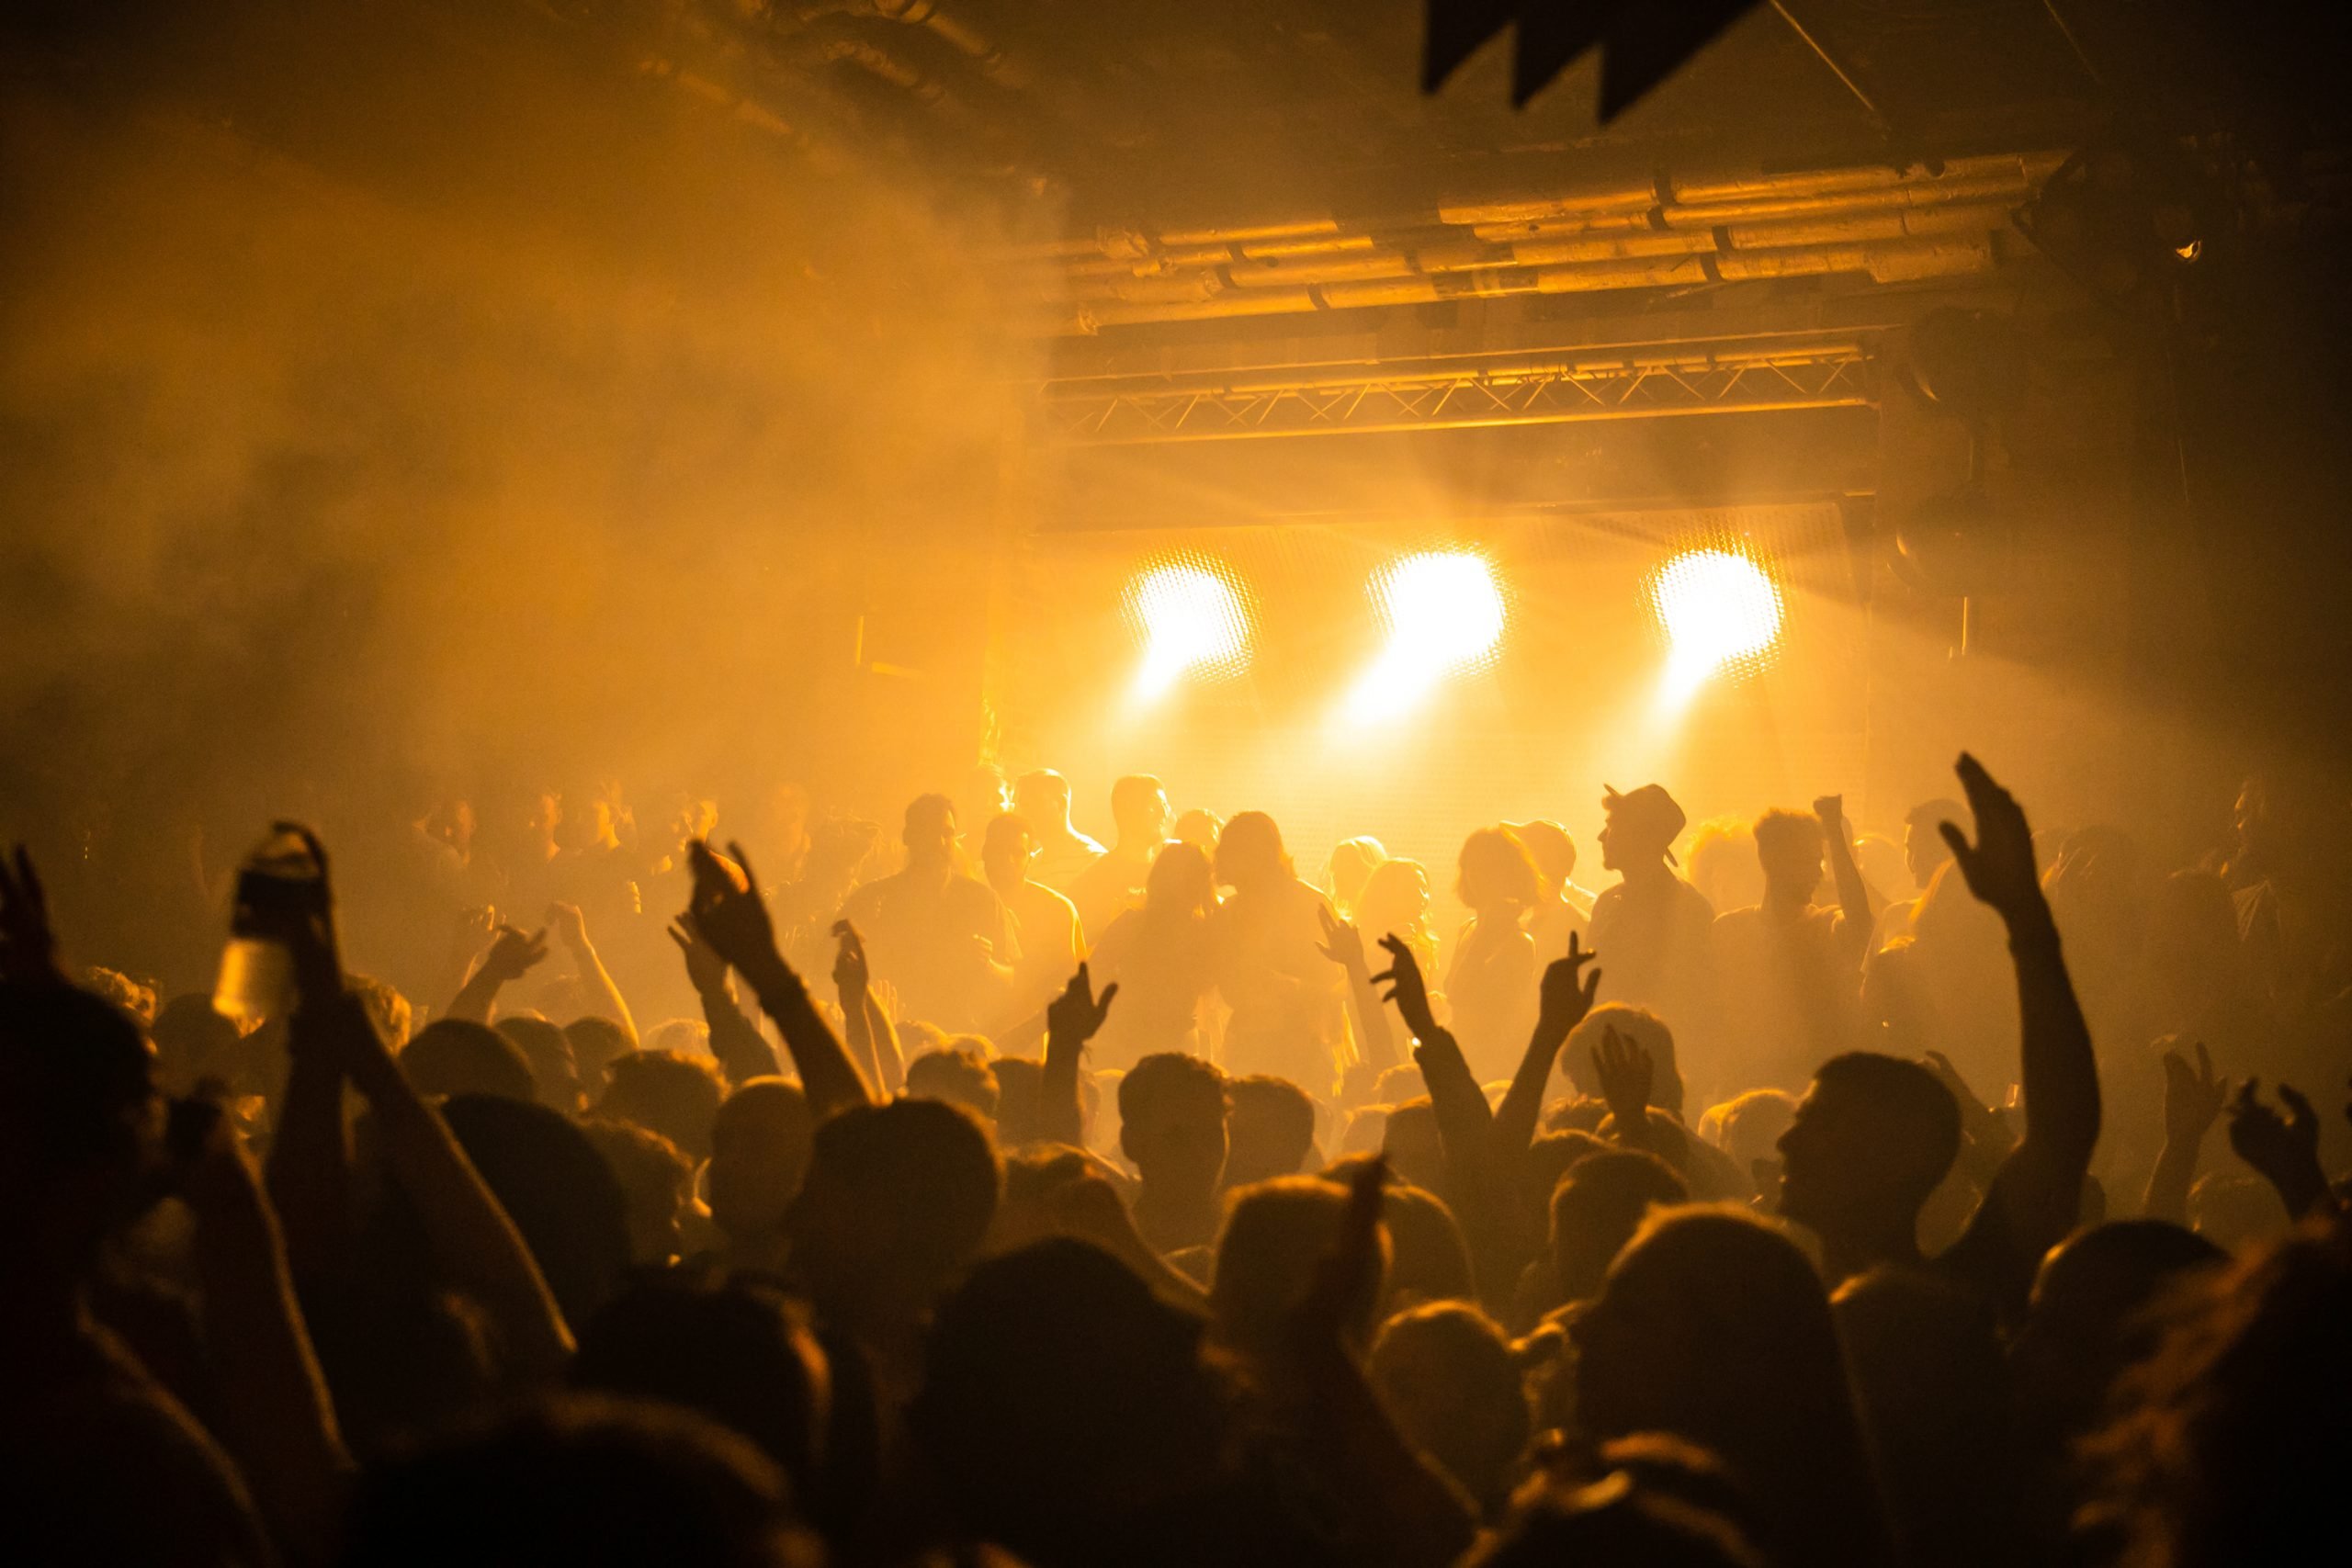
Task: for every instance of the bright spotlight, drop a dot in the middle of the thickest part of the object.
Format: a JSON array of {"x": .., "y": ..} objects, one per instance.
[
  {"x": 1720, "y": 611},
  {"x": 1193, "y": 622},
  {"x": 1444, "y": 613}
]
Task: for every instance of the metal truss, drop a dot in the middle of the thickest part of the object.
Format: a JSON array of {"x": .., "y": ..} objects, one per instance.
[{"x": 1136, "y": 410}]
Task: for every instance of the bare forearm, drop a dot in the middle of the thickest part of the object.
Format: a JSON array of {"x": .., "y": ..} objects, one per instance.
[
  {"x": 888, "y": 1059},
  {"x": 1463, "y": 1121},
  {"x": 735, "y": 1041},
  {"x": 828, "y": 1077},
  {"x": 598, "y": 981},
  {"x": 2166, "y": 1197},
  {"x": 468, "y": 1229},
  {"x": 2058, "y": 1072},
  {"x": 1061, "y": 1117},
  {"x": 476, "y": 998},
  {"x": 308, "y": 1174},
  {"x": 857, "y": 1025},
  {"x": 1522, "y": 1104},
  {"x": 275, "y": 1411}
]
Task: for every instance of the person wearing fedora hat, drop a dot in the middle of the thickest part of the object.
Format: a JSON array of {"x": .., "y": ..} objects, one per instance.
[{"x": 1654, "y": 926}]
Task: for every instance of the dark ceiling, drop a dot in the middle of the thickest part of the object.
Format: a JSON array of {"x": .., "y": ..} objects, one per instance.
[
  {"x": 1173, "y": 113},
  {"x": 1226, "y": 110}
]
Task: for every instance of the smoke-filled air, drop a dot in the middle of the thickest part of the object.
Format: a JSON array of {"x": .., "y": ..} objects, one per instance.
[{"x": 1093, "y": 784}]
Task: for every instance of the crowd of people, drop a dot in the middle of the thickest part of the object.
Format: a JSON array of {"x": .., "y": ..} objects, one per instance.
[{"x": 1034, "y": 1202}]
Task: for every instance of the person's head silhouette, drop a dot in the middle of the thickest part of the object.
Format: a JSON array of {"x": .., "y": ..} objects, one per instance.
[
  {"x": 1924, "y": 849},
  {"x": 929, "y": 832},
  {"x": 80, "y": 1129},
  {"x": 1172, "y": 1110},
  {"x": 1008, "y": 848},
  {"x": 896, "y": 1199},
  {"x": 1276, "y": 1234},
  {"x": 1789, "y": 848},
  {"x": 1043, "y": 796},
  {"x": 1871, "y": 1139},
  {"x": 1250, "y": 853},
  {"x": 1638, "y": 828},
  {"x": 1179, "y": 883},
  {"x": 1065, "y": 1408},
  {"x": 759, "y": 1152},
  {"x": 1713, "y": 1327},
  {"x": 1140, "y": 811},
  {"x": 1495, "y": 876}
]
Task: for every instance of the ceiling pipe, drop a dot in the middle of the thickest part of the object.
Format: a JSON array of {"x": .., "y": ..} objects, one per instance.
[
  {"x": 1894, "y": 224},
  {"x": 1901, "y": 261}
]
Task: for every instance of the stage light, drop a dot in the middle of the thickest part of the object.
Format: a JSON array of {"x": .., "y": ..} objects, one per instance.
[
  {"x": 1444, "y": 613},
  {"x": 1721, "y": 612},
  {"x": 1193, "y": 620}
]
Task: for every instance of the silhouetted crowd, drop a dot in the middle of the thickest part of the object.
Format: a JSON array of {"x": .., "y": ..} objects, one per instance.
[{"x": 1034, "y": 1202}]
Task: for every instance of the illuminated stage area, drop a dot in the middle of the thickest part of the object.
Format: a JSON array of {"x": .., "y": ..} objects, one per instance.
[{"x": 1362, "y": 679}]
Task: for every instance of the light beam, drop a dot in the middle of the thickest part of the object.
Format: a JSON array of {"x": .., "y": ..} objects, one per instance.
[
  {"x": 1193, "y": 622},
  {"x": 1444, "y": 615},
  {"x": 1721, "y": 614}
]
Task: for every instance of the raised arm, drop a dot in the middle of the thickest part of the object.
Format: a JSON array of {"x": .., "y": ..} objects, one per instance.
[
  {"x": 2036, "y": 1196},
  {"x": 2284, "y": 1149},
  {"x": 2193, "y": 1101},
  {"x": 1075, "y": 1018},
  {"x": 732, "y": 919},
  {"x": 1343, "y": 943},
  {"x": 467, "y": 1230},
  {"x": 571, "y": 928},
  {"x": 1478, "y": 1182},
  {"x": 1564, "y": 998},
  {"x": 873, "y": 1043},
  {"x": 1626, "y": 1075},
  {"x": 741, "y": 1050},
  {"x": 511, "y": 956},
  {"x": 275, "y": 1412},
  {"x": 1463, "y": 1121},
  {"x": 1856, "y": 918}
]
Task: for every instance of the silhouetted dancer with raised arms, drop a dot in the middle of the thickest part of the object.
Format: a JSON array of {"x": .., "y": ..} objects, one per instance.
[{"x": 1874, "y": 1134}]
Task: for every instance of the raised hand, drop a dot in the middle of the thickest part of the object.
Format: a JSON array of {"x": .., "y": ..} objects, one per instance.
[
  {"x": 706, "y": 971},
  {"x": 2284, "y": 1149},
  {"x": 1831, "y": 811},
  {"x": 853, "y": 975},
  {"x": 1626, "y": 1074},
  {"x": 729, "y": 914},
  {"x": 1999, "y": 866},
  {"x": 1343, "y": 943},
  {"x": 1406, "y": 987},
  {"x": 314, "y": 943},
  {"x": 1076, "y": 1015},
  {"x": 28, "y": 945},
  {"x": 512, "y": 954},
  {"x": 570, "y": 927},
  {"x": 1564, "y": 998},
  {"x": 475, "y": 925},
  {"x": 2193, "y": 1097}
]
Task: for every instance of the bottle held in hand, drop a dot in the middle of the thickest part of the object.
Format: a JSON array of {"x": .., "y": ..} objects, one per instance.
[{"x": 280, "y": 888}]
